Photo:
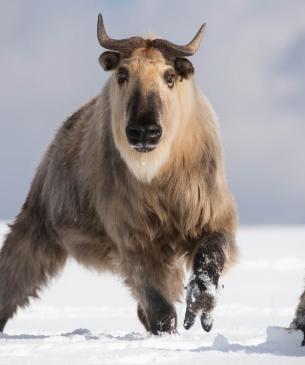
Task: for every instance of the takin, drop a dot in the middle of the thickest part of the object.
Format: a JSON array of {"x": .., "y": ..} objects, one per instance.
[{"x": 133, "y": 183}]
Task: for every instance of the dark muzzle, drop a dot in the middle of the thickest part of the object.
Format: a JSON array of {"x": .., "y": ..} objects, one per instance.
[{"x": 144, "y": 138}]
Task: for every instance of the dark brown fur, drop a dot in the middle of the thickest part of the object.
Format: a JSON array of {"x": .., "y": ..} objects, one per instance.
[{"x": 85, "y": 202}]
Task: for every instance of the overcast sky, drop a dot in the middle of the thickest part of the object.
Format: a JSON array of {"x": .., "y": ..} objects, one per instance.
[{"x": 251, "y": 66}]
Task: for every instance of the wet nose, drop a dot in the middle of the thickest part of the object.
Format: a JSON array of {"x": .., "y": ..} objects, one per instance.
[{"x": 149, "y": 134}]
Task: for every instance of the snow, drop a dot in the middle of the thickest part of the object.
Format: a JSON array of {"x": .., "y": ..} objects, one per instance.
[{"x": 88, "y": 318}]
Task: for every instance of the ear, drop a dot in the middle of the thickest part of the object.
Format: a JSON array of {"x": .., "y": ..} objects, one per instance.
[
  {"x": 184, "y": 68},
  {"x": 109, "y": 60}
]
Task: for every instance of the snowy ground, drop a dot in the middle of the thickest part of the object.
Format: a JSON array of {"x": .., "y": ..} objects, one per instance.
[{"x": 86, "y": 318}]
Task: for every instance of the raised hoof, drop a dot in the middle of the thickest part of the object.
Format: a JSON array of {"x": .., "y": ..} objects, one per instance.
[
  {"x": 206, "y": 322},
  {"x": 189, "y": 320}
]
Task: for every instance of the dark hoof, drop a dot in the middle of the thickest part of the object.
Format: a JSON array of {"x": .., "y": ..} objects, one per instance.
[
  {"x": 206, "y": 322},
  {"x": 189, "y": 320},
  {"x": 3, "y": 323},
  {"x": 161, "y": 314},
  {"x": 164, "y": 324}
]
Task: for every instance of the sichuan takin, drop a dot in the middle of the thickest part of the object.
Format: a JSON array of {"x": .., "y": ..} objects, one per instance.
[{"x": 133, "y": 183}]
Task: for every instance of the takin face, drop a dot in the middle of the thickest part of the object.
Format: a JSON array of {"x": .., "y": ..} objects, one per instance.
[{"x": 150, "y": 88}]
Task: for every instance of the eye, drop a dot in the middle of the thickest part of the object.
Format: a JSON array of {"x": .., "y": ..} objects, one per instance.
[
  {"x": 170, "y": 79},
  {"x": 122, "y": 75}
]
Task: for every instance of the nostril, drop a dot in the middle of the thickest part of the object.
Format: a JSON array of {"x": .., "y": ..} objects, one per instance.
[
  {"x": 134, "y": 133},
  {"x": 149, "y": 134},
  {"x": 153, "y": 131}
]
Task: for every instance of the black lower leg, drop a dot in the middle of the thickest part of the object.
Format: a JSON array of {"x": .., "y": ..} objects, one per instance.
[
  {"x": 161, "y": 315},
  {"x": 3, "y": 322}
]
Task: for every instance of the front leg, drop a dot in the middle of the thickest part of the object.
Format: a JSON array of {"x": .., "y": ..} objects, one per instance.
[
  {"x": 208, "y": 264},
  {"x": 160, "y": 313},
  {"x": 156, "y": 284}
]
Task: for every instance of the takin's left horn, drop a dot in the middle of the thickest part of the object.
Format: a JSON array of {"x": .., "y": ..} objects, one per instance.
[{"x": 173, "y": 50}]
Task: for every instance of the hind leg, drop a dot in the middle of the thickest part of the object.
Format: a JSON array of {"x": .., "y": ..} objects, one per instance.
[
  {"x": 28, "y": 259},
  {"x": 299, "y": 320}
]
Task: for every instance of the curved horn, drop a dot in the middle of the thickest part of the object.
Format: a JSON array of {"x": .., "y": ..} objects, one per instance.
[
  {"x": 119, "y": 45},
  {"x": 174, "y": 50}
]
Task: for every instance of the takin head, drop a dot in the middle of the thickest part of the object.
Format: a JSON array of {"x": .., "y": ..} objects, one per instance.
[{"x": 148, "y": 99}]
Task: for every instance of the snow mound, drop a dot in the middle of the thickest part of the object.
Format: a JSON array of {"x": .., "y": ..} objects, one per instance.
[{"x": 279, "y": 341}]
